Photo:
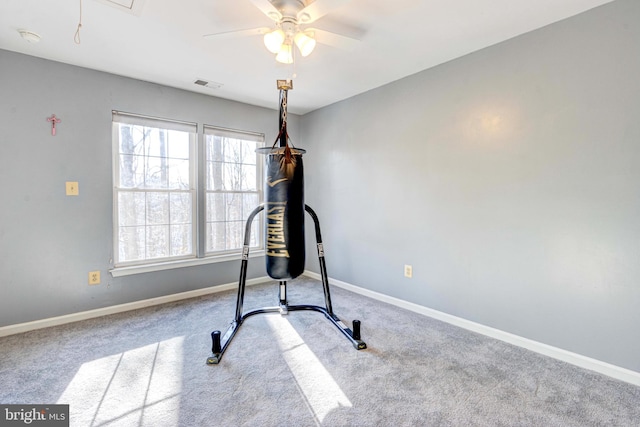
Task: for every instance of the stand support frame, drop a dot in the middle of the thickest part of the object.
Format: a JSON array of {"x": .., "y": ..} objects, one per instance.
[{"x": 220, "y": 343}]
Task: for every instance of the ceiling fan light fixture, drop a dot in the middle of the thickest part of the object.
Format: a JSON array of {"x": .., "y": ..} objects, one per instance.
[
  {"x": 29, "y": 36},
  {"x": 305, "y": 42},
  {"x": 285, "y": 55},
  {"x": 273, "y": 40}
]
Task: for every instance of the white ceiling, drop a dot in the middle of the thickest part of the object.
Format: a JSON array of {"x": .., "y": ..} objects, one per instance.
[{"x": 161, "y": 41}]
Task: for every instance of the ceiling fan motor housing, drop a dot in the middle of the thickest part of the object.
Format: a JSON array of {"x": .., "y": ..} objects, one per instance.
[
  {"x": 289, "y": 26},
  {"x": 289, "y": 8}
]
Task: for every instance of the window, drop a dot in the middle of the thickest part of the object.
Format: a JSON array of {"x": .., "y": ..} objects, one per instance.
[
  {"x": 169, "y": 205},
  {"x": 154, "y": 194},
  {"x": 233, "y": 187}
]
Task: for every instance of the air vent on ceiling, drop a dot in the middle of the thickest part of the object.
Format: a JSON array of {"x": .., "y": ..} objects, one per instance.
[{"x": 206, "y": 83}]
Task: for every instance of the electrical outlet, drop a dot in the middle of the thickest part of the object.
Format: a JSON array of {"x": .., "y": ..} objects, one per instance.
[
  {"x": 72, "y": 188},
  {"x": 94, "y": 277},
  {"x": 408, "y": 271}
]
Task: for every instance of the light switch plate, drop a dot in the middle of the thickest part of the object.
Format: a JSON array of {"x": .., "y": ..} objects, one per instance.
[{"x": 72, "y": 188}]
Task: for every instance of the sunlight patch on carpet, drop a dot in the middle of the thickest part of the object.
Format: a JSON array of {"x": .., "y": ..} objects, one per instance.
[
  {"x": 320, "y": 390},
  {"x": 128, "y": 387}
]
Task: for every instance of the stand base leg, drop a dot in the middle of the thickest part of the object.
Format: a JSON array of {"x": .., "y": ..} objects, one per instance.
[
  {"x": 219, "y": 345},
  {"x": 353, "y": 336}
]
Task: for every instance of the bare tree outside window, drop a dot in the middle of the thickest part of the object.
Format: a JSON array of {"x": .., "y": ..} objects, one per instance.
[
  {"x": 154, "y": 192},
  {"x": 232, "y": 189}
]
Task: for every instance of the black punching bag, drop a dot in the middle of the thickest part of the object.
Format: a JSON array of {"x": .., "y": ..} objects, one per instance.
[{"x": 284, "y": 202}]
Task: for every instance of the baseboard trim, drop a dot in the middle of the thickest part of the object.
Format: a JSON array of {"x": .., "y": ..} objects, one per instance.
[
  {"x": 99, "y": 312},
  {"x": 579, "y": 360}
]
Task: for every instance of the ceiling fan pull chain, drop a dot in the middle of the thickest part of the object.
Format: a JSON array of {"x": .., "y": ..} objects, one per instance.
[{"x": 76, "y": 37}]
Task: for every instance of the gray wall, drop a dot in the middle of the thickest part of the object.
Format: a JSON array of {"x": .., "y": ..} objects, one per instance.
[
  {"x": 509, "y": 179},
  {"x": 48, "y": 241}
]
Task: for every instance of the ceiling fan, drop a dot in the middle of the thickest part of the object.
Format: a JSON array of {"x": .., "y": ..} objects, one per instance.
[{"x": 289, "y": 17}]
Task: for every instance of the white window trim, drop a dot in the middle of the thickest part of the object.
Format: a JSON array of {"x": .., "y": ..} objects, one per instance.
[
  {"x": 198, "y": 156},
  {"x": 148, "y": 121},
  {"x": 233, "y": 133},
  {"x": 170, "y": 265}
]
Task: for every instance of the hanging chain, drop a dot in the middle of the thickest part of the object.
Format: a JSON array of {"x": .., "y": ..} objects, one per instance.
[{"x": 284, "y": 109}]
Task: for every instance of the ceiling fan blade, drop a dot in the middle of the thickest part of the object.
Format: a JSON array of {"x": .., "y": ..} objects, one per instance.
[
  {"x": 238, "y": 33},
  {"x": 318, "y": 9},
  {"x": 268, "y": 9},
  {"x": 333, "y": 39}
]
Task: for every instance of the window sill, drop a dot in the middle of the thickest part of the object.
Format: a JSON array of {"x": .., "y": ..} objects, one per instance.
[{"x": 169, "y": 265}]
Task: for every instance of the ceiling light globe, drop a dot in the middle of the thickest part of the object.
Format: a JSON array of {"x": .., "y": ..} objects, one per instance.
[
  {"x": 273, "y": 40},
  {"x": 29, "y": 36},
  {"x": 285, "y": 56},
  {"x": 305, "y": 43}
]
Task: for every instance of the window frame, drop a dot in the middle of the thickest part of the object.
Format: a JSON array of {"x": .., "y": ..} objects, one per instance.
[
  {"x": 119, "y": 118},
  {"x": 259, "y": 139},
  {"x": 197, "y": 164}
]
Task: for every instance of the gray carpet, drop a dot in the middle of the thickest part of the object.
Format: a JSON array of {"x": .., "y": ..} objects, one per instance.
[{"x": 147, "y": 368}]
